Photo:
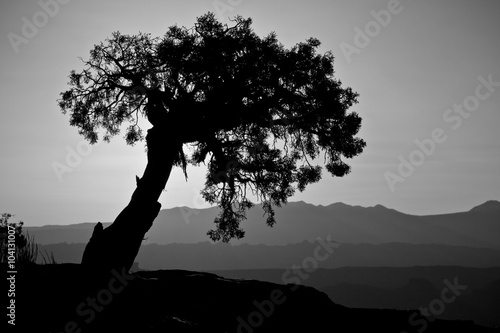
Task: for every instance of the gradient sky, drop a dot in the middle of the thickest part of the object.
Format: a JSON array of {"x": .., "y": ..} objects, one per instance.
[{"x": 413, "y": 69}]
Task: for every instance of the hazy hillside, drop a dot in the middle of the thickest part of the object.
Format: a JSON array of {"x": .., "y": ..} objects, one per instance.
[
  {"x": 299, "y": 221},
  {"x": 207, "y": 256},
  {"x": 402, "y": 288},
  {"x": 378, "y": 277},
  {"x": 481, "y": 305}
]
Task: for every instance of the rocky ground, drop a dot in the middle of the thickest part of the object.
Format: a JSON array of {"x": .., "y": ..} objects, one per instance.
[{"x": 64, "y": 298}]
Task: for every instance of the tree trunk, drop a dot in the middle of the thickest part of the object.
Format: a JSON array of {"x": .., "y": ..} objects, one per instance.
[{"x": 117, "y": 246}]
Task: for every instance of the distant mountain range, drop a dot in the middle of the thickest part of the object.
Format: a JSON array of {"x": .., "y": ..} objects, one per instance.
[
  {"x": 207, "y": 256},
  {"x": 299, "y": 221}
]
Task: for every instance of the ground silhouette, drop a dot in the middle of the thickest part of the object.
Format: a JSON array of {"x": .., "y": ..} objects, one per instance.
[{"x": 65, "y": 298}]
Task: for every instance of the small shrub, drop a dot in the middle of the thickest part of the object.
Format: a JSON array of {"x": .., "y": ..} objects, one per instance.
[{"x": 26, "y": 249}]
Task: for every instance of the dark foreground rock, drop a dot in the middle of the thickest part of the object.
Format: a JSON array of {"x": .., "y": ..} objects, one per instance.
[{"x": 63, "y": 298}]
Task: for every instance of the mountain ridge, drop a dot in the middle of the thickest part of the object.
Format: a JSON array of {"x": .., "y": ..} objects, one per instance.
[
  {"x": 488, "y": 206},
  {"x": 490, "y": 203},
  {"x": 299, "y": 221}
]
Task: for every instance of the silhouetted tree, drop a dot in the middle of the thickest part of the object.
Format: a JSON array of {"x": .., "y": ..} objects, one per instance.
[{"x": 256, "y": 113}]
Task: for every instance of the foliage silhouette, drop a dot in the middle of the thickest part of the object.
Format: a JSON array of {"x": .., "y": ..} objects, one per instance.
[
  {"x": 25, "y": 249},
  {"x": 256, "y": 113}
]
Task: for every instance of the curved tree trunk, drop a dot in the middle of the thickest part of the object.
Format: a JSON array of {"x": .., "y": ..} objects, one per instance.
[{"x": 117, "y": 246}]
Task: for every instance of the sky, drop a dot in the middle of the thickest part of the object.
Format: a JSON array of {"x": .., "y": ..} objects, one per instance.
[{"x": 427, "y": 72}]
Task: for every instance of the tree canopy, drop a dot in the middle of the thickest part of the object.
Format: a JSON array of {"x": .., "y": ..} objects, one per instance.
[{"x": 256, "y": 113}]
